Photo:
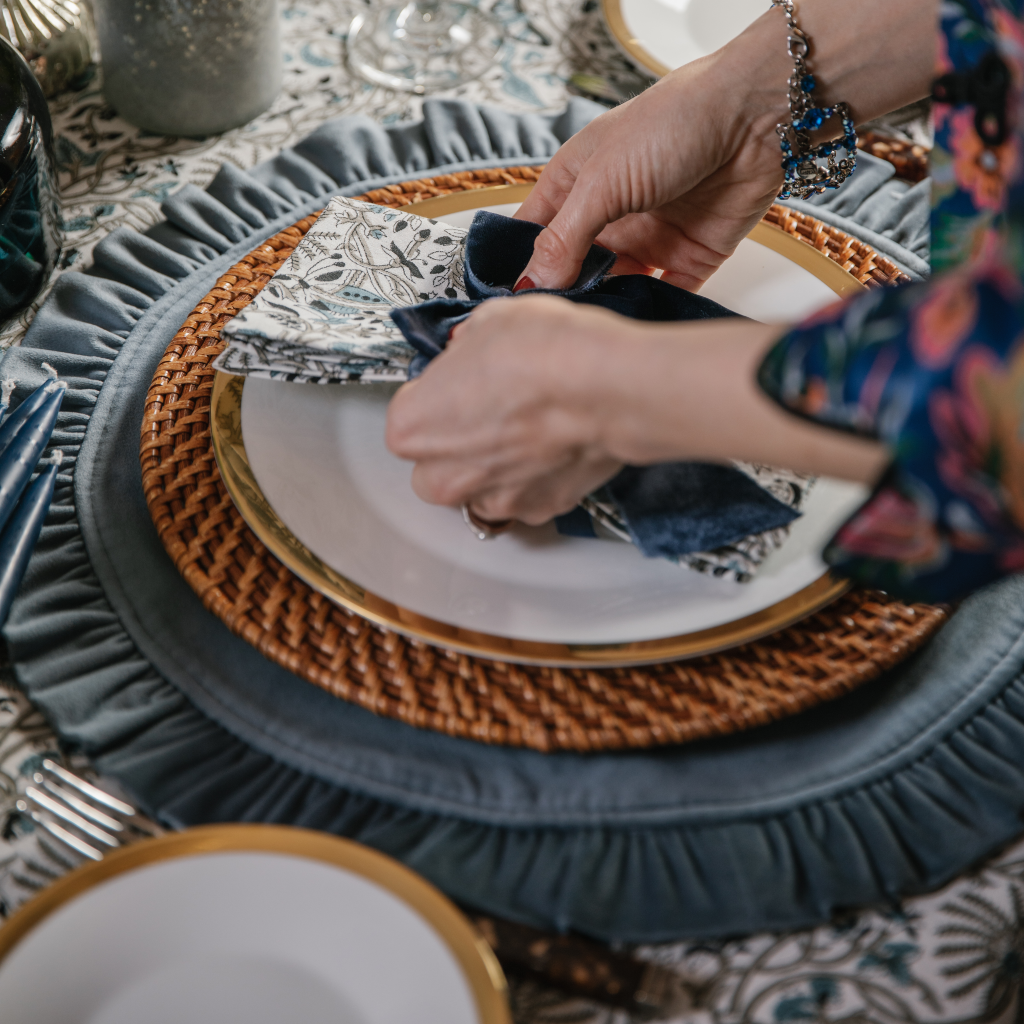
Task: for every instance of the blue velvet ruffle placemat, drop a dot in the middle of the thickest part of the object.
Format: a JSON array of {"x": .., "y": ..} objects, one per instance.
[{"x": 894, "y": 789}]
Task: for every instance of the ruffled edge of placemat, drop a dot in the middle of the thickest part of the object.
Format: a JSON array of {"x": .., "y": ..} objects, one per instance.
[{"x": 912, "y": 819}]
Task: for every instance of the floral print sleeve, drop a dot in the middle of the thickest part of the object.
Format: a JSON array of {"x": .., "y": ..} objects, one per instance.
[{"x": 936, "y": 370}]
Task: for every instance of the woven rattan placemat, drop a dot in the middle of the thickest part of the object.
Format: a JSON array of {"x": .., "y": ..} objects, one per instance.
[{"x": 822, "y": 657}]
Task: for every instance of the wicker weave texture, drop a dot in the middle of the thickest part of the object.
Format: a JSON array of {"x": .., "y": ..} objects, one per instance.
[
  {"x": 910, "y": 159},
  {"x": 546, "y": 709},
  {"x": 850, "y": 253}
]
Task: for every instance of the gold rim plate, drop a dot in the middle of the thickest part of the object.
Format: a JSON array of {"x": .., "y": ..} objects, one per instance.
[
  {"x": 479, "y": 965},
  {"x": 625, "y": 40},
  {"x": 229, "y": 449}
]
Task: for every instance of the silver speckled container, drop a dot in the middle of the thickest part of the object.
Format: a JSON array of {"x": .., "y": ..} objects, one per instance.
[{"x": 189, "y": 67}]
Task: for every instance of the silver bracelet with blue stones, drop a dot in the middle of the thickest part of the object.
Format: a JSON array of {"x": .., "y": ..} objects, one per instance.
[{"x": 810, "y": 169}]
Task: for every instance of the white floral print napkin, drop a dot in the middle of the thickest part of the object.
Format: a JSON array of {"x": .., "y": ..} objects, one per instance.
[{"x": 324, "y": 317}]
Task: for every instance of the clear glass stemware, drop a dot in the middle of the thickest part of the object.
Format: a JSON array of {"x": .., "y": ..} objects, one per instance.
[{"x": 423, "y": 46}]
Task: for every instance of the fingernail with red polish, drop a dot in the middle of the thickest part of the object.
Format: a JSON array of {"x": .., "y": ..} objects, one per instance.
[{"x": 523, "y": 284}]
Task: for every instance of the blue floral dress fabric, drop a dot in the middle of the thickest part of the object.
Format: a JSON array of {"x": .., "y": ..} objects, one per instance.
[{"x": 936, "y": 370}]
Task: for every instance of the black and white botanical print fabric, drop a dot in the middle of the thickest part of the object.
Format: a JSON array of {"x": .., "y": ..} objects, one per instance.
[{"x": 325, "y": 315}]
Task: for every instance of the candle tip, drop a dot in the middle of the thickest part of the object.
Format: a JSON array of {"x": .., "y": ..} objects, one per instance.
[{"x": 50, "y": 371}]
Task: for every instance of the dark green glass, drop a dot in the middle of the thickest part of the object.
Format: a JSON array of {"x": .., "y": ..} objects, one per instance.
[{"x": 30, "y": 217}]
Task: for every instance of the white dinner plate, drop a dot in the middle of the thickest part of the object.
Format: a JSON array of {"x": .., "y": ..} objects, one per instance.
[
  {"x": 246, "y": 924},
  {"x": 660, "y": 35},
  {"x": 318, "y": 456}
]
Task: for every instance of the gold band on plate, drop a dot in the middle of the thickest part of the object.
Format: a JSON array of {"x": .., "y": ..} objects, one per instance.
[
  {"x": 238, "y": 477},
  {"x": 627, "y": 42},
  {"x": 476, "y": 959}
]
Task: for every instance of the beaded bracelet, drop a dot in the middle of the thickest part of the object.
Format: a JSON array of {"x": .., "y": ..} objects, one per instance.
[{"x": 804, "y": 174}]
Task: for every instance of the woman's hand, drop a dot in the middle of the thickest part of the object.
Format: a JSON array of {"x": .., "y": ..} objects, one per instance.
[
  {"x": 677, "y": 176},
  {"x": 537, "y": 401},
  {"x": 507, "y": 419},
  {"x": 672, "y": 179}
]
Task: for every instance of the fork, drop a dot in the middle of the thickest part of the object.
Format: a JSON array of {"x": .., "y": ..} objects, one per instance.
[{"x": 82, "y": 816}]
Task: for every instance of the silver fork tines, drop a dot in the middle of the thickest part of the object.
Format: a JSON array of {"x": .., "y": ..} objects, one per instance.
[
  {"x": 98, "y": 817},
  {"x": 81, "y": 816},
  {"x": 88, "y": 790},
  {"x": 67, "y": 838},
  {"x": 46, "y": 802}
]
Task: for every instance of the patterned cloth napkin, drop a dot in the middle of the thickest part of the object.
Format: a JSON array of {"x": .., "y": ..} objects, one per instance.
[
  {"x": 324, "y": 318},
  {"x": 371, "y": 293}
]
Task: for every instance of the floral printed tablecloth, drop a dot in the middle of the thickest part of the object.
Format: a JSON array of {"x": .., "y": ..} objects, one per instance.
[{"x": 952, "y": 956}]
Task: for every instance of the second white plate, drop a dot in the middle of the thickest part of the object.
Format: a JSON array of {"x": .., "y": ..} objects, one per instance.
[
  {"x": 245, "y": 924},
  {"x": 660, "y": 35}
]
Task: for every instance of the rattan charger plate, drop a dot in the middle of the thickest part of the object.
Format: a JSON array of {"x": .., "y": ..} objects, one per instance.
[{"x": 819, "y": 658}]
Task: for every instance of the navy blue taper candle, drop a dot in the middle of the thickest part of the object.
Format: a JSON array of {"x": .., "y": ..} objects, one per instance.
[
  {"x": 31, "y": 436},
  {"x": 11, "y": 426},
  {"x": 22, "y": 532}
]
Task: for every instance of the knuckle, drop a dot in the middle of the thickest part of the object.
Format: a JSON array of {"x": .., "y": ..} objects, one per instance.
[
  {"x": 496, "y": 508},
  {"x": 428, "y": 486},
  {"x": 550, "y": 249},
  {"x": 397, "y": 433},
  {"x": 487, "y": 311}
]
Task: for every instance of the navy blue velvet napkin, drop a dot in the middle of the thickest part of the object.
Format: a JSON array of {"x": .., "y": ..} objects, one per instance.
[{"x": 669, "y": 510}]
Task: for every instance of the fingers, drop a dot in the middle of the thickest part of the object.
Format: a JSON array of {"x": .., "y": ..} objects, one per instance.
[
  {"x": 545, "y": 198},
  {"x": 449, "y": 482},
  {"x": 685, "y": 261},
  {"x": 533, "y": 504},
  {"x": 628, "y": 265},
  {"x": 560, "y": 248},
  {"x": 559, "y": 176},
  {"x": 572, "y": 200},
  {"x": 494, "y": 421}
]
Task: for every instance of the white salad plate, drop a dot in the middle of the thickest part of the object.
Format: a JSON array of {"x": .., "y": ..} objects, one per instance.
[
  {"x": 246, "y": 924},
  {"x": 343, "y": 516},
  {"x": 659, "y": 35}
]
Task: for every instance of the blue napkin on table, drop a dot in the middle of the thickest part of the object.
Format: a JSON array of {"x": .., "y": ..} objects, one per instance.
[{"x": 669, "y": 510}]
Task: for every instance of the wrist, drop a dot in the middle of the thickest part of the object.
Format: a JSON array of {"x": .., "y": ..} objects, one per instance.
[
  {"x": 697, "y": 399},
  {"x": 678, "y": 391},
  {"x": 877, "y": 59},
  {"x": 757, "y": 62}
]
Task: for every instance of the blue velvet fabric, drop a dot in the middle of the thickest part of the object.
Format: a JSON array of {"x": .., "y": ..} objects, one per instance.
[
  {"x": 497, "y": 251},
  {"x": 894, "y": 789},
  {"x": 670, "y": 509},
  {"x": 891, "y": 215}
]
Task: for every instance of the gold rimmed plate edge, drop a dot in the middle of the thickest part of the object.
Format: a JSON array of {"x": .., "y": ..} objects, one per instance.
[{"x": 634, "y": 50}]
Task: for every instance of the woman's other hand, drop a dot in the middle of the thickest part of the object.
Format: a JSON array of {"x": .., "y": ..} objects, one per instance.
[
  {"x": 676, "y": 177},
  {"x": 672, "y": 179}
]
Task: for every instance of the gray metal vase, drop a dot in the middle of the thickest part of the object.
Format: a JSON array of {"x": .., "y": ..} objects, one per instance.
[{"x": 189, "y": 67}]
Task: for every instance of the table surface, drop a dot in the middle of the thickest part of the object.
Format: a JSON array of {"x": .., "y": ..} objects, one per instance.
[{"x": 954, "y": 955}]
